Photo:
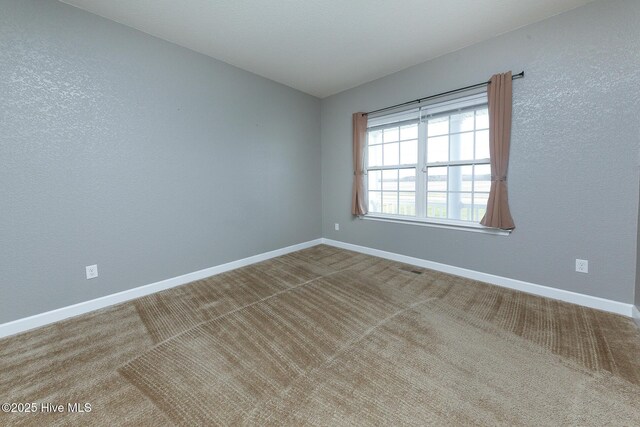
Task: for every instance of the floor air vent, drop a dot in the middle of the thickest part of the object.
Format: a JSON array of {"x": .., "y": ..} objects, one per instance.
[{"x": 410, "y": 270}]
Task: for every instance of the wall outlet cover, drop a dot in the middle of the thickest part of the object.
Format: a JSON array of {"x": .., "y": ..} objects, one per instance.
[
  {"x": 92, "y": 271},
  {"x": 582, "y": 265}
]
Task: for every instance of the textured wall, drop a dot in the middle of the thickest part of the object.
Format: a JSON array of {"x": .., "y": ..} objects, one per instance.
[
  {"x": 146, "y": 158},
  {"x": 637, "y": 294},
  {"x": 573, "y": 175}
]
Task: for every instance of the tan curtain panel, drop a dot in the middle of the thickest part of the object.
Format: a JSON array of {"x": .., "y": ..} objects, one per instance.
[
  {"x": 358, "y": 201},
  {"x": 499, "y": 94}
]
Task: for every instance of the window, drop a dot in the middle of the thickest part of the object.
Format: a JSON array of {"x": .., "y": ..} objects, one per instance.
[{"x": 430, "y": 163}]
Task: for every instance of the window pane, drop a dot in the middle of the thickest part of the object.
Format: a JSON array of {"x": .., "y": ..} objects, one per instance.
[
  {"x": 409, "y": 152},
  {"x": 390, "y": 180},
  {"x": 457, "y": 192},
  {"x": 375, "y": 137},
  {"x": 479, "y": 205},
  {"x": 407, "y": 180},
  {"x": 466, "y": 210},
  {"x": 391, "y": 135},
  {"x": 461, "y": 146},
  {"x": 482, "y": 178},
  {"x": 391, "y": 154},
  {"x": 374, "y": 157},
  {"x": 375, "y": 180},
  {"x": 438, "y": 149},
  {"x": 482, "y": 144},
  {"x": 482, "y": 119},
  {"x": 375, "y": 201},
  {"x": 390, "y": 202},
  {"x": 409, "y": 132},
  {"x": 461, "y": 122},
  {"x": 459, "y": 206},
  {"x": 460, "y": 178},
  {"x": 437, "y": 179},
  {"x": 437, "y": 205},
  {"x": 438, "y": 126},
  {"x": 407, "y": 203}
]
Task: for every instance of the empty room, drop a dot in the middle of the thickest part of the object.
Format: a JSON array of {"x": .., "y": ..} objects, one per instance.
[{"x": 320, "y": 212}]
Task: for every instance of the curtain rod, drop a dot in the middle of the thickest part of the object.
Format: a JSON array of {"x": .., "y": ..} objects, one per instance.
[{"x": 449, "y": 92}]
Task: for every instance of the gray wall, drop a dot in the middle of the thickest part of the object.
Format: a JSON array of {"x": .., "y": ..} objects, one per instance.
[
  {"x": 637, "y": 294},
  {"x": 141, "y": 156},
  {"x": 573, "y": 175}
]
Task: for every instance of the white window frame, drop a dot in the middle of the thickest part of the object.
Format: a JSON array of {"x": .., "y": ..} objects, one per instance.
[{"x": 459, "y": 103}]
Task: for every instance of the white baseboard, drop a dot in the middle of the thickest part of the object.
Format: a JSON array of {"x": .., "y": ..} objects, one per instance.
[
  {"x": 636, "y": 315},
  {"x": 38, "y": 320},
  {"x": 531, "y": 288}
]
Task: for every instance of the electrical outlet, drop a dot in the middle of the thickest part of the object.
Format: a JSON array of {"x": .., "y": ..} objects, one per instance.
[
  {"x": 92, "y": 271},
  {"x": 582, "y": 265},
  {"x": 337, "y": 226}
]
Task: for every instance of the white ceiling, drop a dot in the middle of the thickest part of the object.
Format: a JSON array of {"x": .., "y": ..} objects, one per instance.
[{"x": 323, "y": 47}]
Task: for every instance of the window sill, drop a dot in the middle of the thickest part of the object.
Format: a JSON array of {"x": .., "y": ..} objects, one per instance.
[{"x": 448, "y": 224}]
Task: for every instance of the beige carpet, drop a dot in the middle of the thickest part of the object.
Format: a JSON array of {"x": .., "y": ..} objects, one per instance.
[{"x": 331, "y": 337}]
